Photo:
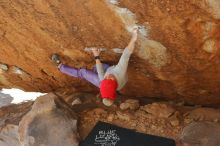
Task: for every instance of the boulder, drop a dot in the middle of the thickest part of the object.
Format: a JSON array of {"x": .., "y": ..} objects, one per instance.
[
  {"x": 110, "y": 117},
  {"x": 175, "y": 119},
  {"x": 131, "y": 104},
  {"x": 159, "y": 110},
  {"x": 204, "y": 114},
  {"x": 51, "y": 122},
  {"x": 201, "y": 134},
  {"x": 9, "y": 136},
  {"x": 125, "y": 116}
]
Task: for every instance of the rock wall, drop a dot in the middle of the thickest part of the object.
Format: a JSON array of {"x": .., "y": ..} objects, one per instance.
[{"x": 177, "y": 55}]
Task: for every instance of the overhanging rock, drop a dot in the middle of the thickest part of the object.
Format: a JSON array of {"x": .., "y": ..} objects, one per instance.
[{"x": 176, "y": 57}]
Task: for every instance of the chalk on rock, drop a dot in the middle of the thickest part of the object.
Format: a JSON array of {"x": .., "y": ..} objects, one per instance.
[
  {"x": 114, "y": 2},
  {"x": 89, "y": 49},
  {"x": 141, "y": 29},
  {"x": 76, "y": 101},
  {"x": 117, "y": 50},
  {"x": 18, "y": 71},
  {"x": 4, "y": 67}
]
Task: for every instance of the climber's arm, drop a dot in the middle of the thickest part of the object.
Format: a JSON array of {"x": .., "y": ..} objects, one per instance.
[
  {"x": 99, "y": 65},
  {"x": 131, "y": 44},
  {"x": 100, "y": 69},
  {"x": 123, "y": 62}
]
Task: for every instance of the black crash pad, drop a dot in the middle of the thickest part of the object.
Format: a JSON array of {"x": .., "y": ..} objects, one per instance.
[{"x": 104, "y": 134}]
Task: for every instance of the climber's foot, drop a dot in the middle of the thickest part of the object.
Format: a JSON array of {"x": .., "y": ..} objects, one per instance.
[{"x": 56, "y": 59}]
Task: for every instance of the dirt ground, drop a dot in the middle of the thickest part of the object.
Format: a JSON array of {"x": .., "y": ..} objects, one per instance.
[
  {"x": 150, "y": 116},
  {"x": 138, "y": 120},
  {"x": 156, "y": 117}
]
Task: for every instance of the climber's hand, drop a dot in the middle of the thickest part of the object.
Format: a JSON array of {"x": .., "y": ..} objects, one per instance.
[
  {"x": 134, "y": 34},
  {"x": 96, "y": 51}
]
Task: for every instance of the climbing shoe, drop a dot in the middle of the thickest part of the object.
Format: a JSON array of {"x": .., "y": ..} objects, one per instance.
[{"x": 56, "y": 59}]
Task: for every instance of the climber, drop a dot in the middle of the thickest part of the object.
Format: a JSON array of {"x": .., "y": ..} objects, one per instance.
[{"x": 107, "y": 78}]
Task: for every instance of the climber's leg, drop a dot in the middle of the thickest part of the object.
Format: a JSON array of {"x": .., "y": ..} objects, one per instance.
[{"x": 82, "y": 73}]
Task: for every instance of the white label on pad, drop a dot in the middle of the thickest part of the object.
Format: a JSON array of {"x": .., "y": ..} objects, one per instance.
[{"x": 106, "y": 138}]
